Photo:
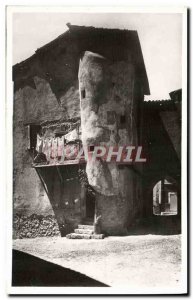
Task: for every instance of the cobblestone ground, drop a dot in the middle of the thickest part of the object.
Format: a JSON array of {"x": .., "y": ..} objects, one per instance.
[{"x": 151, "y": 261}]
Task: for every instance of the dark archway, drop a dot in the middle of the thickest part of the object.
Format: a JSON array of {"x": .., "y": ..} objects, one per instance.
[{"x": 155, "y": 222}]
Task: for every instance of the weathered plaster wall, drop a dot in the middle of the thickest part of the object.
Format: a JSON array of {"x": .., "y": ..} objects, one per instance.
[
  {"x": 35, "y": 106},
  {"x": 46, "y": 91},
  {"x": 107, "y": 95},
  {"x": 172, "y": 125},
  {"x": 28, "y": 194}
]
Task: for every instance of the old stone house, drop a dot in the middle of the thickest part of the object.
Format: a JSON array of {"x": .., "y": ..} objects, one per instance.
[{"x": 87, "y": 88}]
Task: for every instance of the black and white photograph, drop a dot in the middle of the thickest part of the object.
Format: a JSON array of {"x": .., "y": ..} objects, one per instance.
[{"x": 97, "y": 116}]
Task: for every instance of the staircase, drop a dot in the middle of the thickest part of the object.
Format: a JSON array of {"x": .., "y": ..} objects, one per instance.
[{"x": 84, "y": 232}]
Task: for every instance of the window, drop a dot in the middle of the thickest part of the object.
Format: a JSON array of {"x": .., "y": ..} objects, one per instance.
[
  {"x": 83, "y": 94},
  {"x": 32, "y": 131},
  {"x": 91, "y": 148},
  {"x": 122, "y": 121}
]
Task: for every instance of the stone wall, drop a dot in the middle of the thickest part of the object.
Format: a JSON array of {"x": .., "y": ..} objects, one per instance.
[
  {"x": 172, "y": 125},
  {"x": 34, "y": 226}
]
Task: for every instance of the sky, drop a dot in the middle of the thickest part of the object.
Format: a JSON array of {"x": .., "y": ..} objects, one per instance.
[{"x": 160, "y": 37}]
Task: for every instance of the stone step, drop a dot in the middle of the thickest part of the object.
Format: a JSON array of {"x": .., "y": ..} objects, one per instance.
[
  {"x": 78, "y": 236},
  {"x": 89, "y": 227},
  {"x": 98, "y": 236},
  {"x": 85, "y": 236},
  {"x": 84, "y": 231}
]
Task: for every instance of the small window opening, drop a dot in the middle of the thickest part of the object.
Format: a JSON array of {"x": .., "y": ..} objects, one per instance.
[
  {"x": 59, "y": 134},
  {"x": 83, "y": 94},
  {"x": 91, "y": 148},
  {"x": 33, "y": 130},
  {"x": 122, "y": 119}
]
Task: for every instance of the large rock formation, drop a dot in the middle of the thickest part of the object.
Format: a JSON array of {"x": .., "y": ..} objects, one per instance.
[{"x": 107, "y": 118}]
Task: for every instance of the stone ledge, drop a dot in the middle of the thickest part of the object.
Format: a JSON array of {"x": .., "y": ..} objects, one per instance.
[
  {"x": 84, "y": 231},
  {"x": 89, "y": 227},
  {"x": 85, "y": 236},
  {"x": 78, "y": 236},
  {"x": 97, "y": 236}
]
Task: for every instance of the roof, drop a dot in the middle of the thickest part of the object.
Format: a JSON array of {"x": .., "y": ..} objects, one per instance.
[
  {"x": 115, "y": 44},
  {"x": 159, "y": 105},
  {"x": 167, "y": 104},
  {"x": 176, "y": 95}
]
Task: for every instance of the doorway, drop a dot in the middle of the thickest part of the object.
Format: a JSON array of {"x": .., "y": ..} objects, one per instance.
[
  {"x": 165, "y": 198},
  {"x": 90, "y": 206}
]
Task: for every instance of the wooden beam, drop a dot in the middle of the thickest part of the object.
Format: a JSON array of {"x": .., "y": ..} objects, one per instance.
[
  {"x": 59, "y": 174},
  {"x": 43, "y": 183},
  {"x": 67, "y": 162}
]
